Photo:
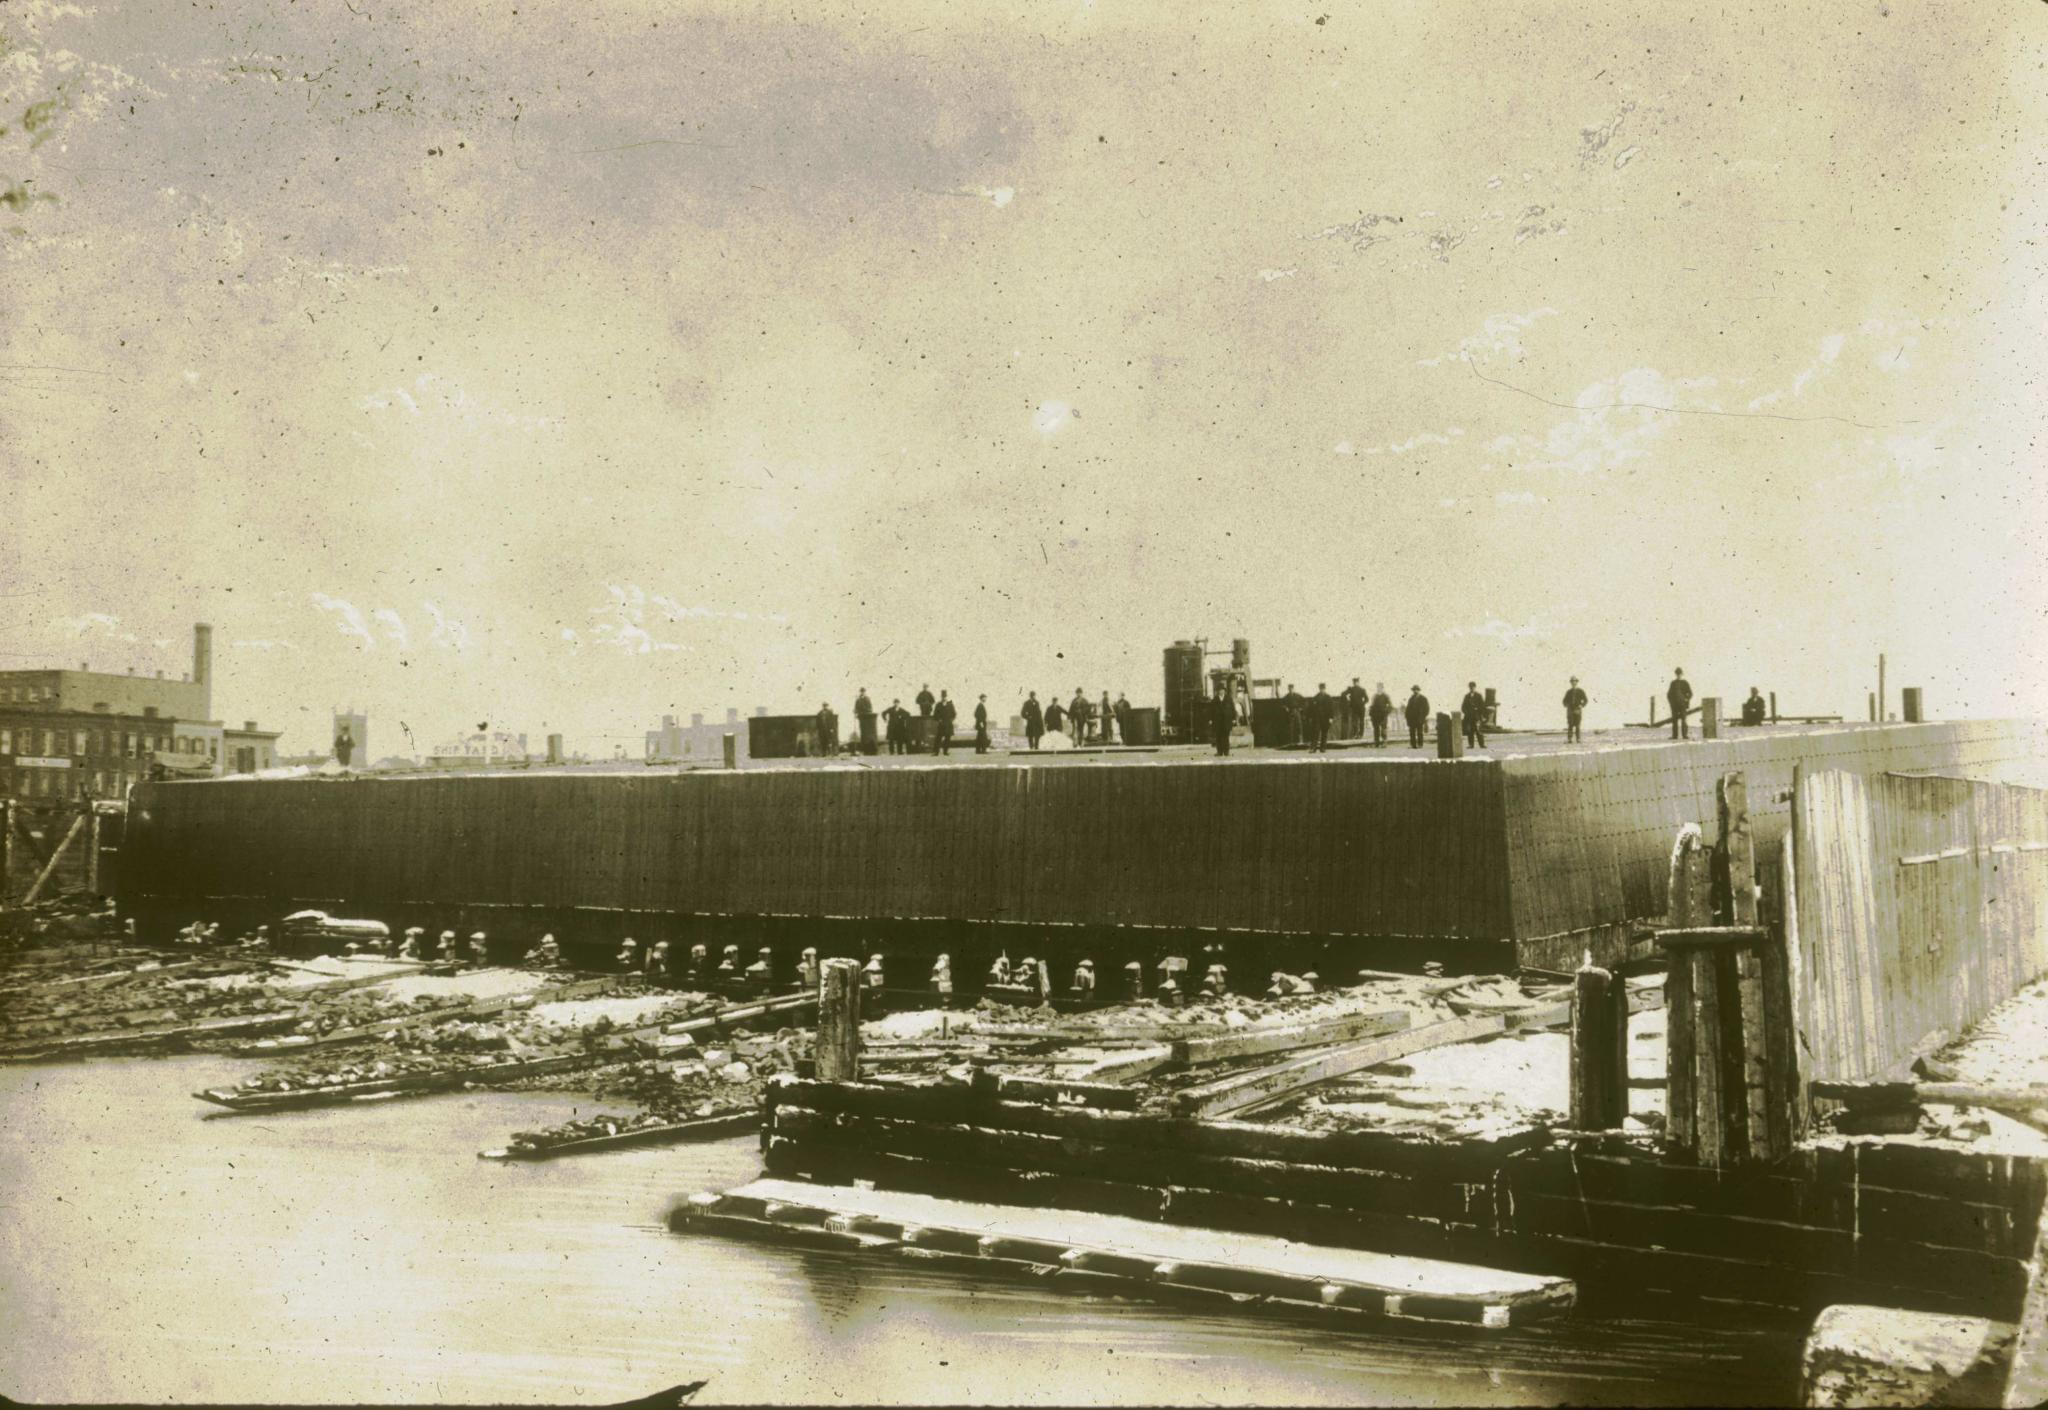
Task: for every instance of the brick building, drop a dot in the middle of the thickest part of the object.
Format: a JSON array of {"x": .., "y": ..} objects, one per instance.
[{"x": 56, "y": 755}]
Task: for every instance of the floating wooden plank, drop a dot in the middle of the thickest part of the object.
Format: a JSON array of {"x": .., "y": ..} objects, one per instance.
[
  {"x": 35, "y": 889},
  {"x": 701, "y": 1128},
  {"x": 1877, "y": 1096},
  {"x": 1297, "y": 1075},
  {"x": 1254, "y": 1040},
  {"x": 1141, "y": 1253}
]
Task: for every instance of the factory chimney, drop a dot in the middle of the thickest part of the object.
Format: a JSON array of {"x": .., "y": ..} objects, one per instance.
[{"x": 202, "y": 663}]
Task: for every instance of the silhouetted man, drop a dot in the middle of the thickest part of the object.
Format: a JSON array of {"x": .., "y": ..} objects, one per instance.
[
  {"x": 1222, "y": 718},
  {"x": 1320, "y": 710},
  {"x": 1473, "y": 707},
  {"x": 1055, "y": 717},
  {"x": 924, "y": 702},
  {"x": 1354, "y": 710},
  {"x": 828, "y": 730},
  {"x": 1382, "y": 711},
  {"x": 344, "y": 746},
  {"x": 1678, "y": 695},
  {"x": 1034, "y": 719},
  {"x": 864, "y": 713},
  {"x": 1293, "y": 704},
  {"x": 1078, "y": 714},
  {"x": 1417, "y": 711},
  {"x": 1754, "y": 710},
  {"x": 898, "y": 728},
  {"x": 943, "y": 715},
  {"x": 1575, "y": 701},
  {"x": 981, "y": 725}
]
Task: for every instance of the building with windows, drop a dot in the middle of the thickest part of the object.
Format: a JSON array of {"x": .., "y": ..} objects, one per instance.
[
  {"x": 54, "y": 755},
  {"x": 190, "y": 697},
  {"x": 172, "y": 718},
  {"x": 674, "y": 743}
]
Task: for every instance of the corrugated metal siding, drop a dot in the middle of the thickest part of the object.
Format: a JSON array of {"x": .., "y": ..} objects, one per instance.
[
  {"x": 1346, "y": 847},
  {"x": 1923, "y": 902},
  {"x": 1589, "y": 834}
]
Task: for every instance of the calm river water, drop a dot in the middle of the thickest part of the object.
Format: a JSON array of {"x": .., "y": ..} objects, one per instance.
[{"x": 148, "y": 1254}]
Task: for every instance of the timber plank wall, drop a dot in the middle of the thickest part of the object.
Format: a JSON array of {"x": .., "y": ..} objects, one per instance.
[
  {"x": 1477, "y": 849},
  {"x": 1280, "y": 847},
  {"x": 1921, "y": 904},
  {"x": 1938, "y": 1230},
  {"x": 1590, "y": 834}
]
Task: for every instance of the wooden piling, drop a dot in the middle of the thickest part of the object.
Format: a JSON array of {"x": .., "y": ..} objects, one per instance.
[
  {"x": 6, "y": 848},
  {"x": 838, "y": 1047},
  {"x": 1710, "y": 717},
  {"x": 1450, "y": 735},
  {"x": 2027, "y": 1381},
  {"x": 1688, "y": 905},
  {"x": 92, "y": 854},
  {"x": 1599, "y": 1071}
]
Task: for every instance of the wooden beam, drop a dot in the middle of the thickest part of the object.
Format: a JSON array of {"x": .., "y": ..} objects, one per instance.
[
  {"x": 1250, "y": 1042},
  {"x": 77, "y": 825},
  {"x": 1290, "y": 1078},
  {"x": 1711, "y": 936},
  {"x": 1872, "y": 1096}
]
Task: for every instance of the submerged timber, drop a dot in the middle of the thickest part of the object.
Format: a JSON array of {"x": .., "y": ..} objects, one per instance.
[{"x": 1530, "y": 854}]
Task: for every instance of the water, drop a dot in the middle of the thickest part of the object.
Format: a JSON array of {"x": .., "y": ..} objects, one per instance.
[{"x": 148, "y": 1254}]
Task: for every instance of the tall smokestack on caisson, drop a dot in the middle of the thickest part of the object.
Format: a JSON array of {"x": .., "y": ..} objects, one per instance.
[{"x": 202, "y": 663}]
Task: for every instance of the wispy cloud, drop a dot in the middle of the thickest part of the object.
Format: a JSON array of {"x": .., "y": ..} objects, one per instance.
[
  {"x": 1535, "y": 629},
  {"x": 448, "y": 633},
  {"x": 348, "y": 620},
  {"x": 1500, "y": 336}
]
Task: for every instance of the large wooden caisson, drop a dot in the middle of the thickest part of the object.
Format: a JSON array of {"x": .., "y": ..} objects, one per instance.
[{"x": 1533, "y": 857}]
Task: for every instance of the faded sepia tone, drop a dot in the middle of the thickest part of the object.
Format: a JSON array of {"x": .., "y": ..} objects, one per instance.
[
  {"x": 448, "y": 400},
  {"x": 566, "y": 367}
]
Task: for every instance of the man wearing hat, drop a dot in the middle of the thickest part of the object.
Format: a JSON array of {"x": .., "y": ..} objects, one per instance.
[
  {"x": 1575, "y": 701},
  {"x": 545, "y": 955},
  {"x": 409, "y": 950},
  {"x": 1473, "y": 707},
  {"x": 1417, "y": 713},
  {"x": 628, "y": 957},
  {"x": 807, "y": 970},
  {"x": 447, "y": 950},
  {"x": 479, "y": 949},
  {"x": 1382, "y": 711}
]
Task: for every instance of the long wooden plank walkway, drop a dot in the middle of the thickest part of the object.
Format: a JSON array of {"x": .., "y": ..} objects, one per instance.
[{"x": 1132, "y": 1253}]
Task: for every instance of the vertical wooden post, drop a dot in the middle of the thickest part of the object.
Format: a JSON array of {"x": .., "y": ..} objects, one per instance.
[
  {"x": 1909, "y": 705},
  {"x": 1873, "y": 707},
  {"x": 1450, "y": 735},
  {"x": 1599, "y": 1071},
  {"x": 838, "y": 1047},
  {"x": 732, "y": 751},
  {"x": 1883, "y": 700},
  {"x": 1774, "y": 707},
  {"x": 1687, "y": 905},
  {"x": 1710, "y": 717},
  {"x": 92, "y": 854},
  {"x": 6, "y": 848}
]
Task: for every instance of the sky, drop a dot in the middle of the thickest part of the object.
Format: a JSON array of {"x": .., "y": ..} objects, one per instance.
[{"x": 565, "y": 366}]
